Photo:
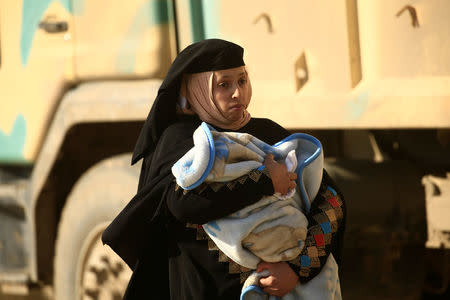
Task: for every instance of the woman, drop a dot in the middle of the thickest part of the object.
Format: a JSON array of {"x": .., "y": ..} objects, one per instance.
[{"x": 157, "y": 233}]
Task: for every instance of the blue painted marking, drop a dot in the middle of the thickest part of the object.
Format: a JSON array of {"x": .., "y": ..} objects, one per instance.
[
  {"x": 332, "y": 190},
  {"x": 326, "y": 227},
  {"x": 78, "y": 7},
  {"x": 211, "y": 18},
  {"x": 32, "y": 13},
  {"x": 151, "y": 13},
  {"x": 305, "y": 261},
  {"x": 12, "y": 145},
  {"x": 357, "y": 106},
  {"x": 197, "y": 20}
]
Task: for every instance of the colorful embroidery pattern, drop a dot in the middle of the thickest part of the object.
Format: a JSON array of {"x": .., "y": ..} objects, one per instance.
[{"x": 327, "y": 217}]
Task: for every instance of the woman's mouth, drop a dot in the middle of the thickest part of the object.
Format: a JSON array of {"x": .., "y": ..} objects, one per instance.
[{"x": 237, "y": 107}]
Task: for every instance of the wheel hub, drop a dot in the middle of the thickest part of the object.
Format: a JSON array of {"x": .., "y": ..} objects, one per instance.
[{"x": 104, "y": 276}]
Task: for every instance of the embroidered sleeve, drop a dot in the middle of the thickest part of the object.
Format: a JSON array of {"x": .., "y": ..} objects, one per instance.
[
  {"x": 325, "y": 231},
  {"x": 252, "y": 178}
]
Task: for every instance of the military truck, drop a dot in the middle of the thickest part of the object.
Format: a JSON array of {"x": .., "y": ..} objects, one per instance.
[{"x": 370, "y": 79}]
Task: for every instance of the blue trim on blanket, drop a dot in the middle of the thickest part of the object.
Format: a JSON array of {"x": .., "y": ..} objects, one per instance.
[
  {"x": 307, "y": 202},
  {"x": 207, "y": 129},
  {"x": 214, "y": 225},
  {"x": 252, "y": 288},
  {"x": 209, "y": 231},
  {"x": 304, "y": 164}
]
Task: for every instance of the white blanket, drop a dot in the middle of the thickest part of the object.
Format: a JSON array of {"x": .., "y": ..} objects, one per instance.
[{"x": 274, "y": 228}]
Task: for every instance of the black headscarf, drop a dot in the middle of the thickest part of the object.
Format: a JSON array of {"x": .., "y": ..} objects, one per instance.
[{"x": 207, "y": 55}]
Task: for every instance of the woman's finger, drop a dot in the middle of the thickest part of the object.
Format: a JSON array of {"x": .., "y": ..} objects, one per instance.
[
  {"x": 268, "y": 281},
  {"x": 292, "y": 185},
  {"x": 268, "y": 160},
  {"x": 262, "y": 266},
  {"x": 270, "y": 156},
  {"x": 292, "y": 176}
]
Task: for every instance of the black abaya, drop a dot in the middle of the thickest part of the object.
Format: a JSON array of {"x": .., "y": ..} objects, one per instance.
[{"x": 157, "y": 234}]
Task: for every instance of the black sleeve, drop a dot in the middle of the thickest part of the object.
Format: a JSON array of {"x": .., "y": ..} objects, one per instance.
[
  {"x": 276, "y": 132},
  {"x": 214, "y": 201},
  {"x": 326, "y": 224}
]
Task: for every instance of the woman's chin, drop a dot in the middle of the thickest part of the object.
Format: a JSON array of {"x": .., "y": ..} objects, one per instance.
[{"x": 236, "y": 116}]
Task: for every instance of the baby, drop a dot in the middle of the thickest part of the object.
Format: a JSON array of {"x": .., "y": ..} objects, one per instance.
[{"x": 274, "y": 228}]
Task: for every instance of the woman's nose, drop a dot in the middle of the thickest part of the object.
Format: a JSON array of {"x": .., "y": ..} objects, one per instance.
[{"x": 236, "y": 92}]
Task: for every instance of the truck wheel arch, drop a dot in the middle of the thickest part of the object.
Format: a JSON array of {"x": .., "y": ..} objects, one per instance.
[
  {"x": 93, "y": 122},
  {"x": 96, "y": 198}
]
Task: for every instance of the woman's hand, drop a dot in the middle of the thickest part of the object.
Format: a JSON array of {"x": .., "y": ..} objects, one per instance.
[
  {"x": 282, "y": 180},
  {"x": 281, "y": 281}
]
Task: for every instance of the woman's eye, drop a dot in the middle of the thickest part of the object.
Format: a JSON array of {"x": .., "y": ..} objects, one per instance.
[
  {"x": 242, "y": 81},
  {"x": 223, "y": 84}
]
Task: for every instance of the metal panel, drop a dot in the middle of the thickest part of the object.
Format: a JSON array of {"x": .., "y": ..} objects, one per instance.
[
  {"x": 342, "y": 64},
  {"x": 129, "y": 39}
]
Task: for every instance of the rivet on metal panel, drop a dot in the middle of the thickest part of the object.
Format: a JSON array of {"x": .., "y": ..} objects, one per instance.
[
  {"x": 412, "y": 12},
  {"x": 265, "y": 17},
  {"x": 301, "y": 72}
]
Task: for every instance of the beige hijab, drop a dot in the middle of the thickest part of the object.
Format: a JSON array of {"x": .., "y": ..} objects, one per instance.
[{"x": 196, "y": 97}]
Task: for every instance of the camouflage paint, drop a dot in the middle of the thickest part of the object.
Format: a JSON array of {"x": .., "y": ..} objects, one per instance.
[
  {"x": 32, "y": 13},
  {"x": 197, "y": 25},
  {"x": 12, "y": 144},
  {"x": 78, "y": 7},
  {"x": 358, "y": 105},
  {"x": 151, "y": 13},
  {"x": 211, "y": 18}
]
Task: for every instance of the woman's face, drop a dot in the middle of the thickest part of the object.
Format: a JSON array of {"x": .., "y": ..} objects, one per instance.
[{"x": 231, "y": 92}]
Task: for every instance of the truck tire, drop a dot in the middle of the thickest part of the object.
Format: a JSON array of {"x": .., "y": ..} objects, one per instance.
[{"x": 84, "y": 269}]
